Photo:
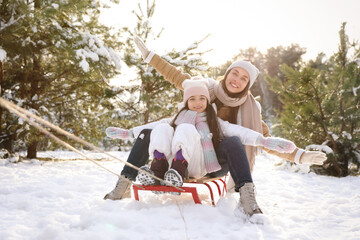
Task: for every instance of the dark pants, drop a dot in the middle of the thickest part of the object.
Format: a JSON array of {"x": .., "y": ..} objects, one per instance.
[
  {"x": 230, "y": 152},
  {"x": 232, "y": 157},
  {"x": 139, "y": 154}
]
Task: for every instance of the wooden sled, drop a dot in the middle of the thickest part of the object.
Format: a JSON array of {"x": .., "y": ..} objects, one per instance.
[{"x": 190, "y": 186}]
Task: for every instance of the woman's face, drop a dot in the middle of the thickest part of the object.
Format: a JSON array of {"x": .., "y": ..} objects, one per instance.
[
  {"x": 197, "y": 103},
  {"x": 236, "y": 80}
]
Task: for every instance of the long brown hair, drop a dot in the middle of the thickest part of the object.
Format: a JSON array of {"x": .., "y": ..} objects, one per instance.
[
  {"x": 211, "y": 119},
  {"x": 233, "y": 110}
]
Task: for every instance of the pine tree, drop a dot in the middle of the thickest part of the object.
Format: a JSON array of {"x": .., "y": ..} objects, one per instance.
[
  {"x": 59, "y": 60},
  {"x": 151, "y": 97},
  {"x": 320, "y": 106}
]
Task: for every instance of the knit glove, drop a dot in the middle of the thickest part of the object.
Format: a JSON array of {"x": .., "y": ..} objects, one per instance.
[
  {"x": 277, "y": 144},
  {"x": 114, "y": 132},
  {"x": 313, "y": 157},
  {"x": 141, "y": 46}
]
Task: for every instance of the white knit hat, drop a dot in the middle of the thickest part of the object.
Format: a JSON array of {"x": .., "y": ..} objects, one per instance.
[
  {"x": 251, "y": 69},
  {"x": 195, "y": 86}
]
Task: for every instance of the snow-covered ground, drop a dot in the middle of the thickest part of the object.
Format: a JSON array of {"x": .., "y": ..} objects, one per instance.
[{"x": 64, "y": 200}]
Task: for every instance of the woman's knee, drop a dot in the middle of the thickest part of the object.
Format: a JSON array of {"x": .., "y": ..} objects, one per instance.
[
  {"x": 145, "y": 134},
  {"x": 232, "y": 143}
]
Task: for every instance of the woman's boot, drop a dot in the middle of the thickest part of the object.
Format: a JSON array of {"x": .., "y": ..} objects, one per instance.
[
  {"x": 121, "y": 190},
  {"x": 247, "y": 200}
]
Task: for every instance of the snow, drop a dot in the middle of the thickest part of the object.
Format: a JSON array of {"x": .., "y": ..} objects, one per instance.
[
  {"x": 84, "y": 65},
  {"x": 322, "y": 148},
  {"x": 54, "y": 5},
  {"x": 2, "y": 54},
  {"x": 354, "y": 89},
  {"x": 63, "y": 200},
  {"x": 95, "y": 49}
]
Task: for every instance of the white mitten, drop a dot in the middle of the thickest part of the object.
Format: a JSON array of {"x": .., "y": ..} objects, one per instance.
[
  {"x": 277, "y": 144},
  {"x": 114, "y": 132},
  {"x": 313, "y": 157},
  {"x": 141, "y": 46}
]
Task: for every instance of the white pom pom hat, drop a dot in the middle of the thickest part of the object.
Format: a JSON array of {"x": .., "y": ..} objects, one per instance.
[
  {"x": 250, "y": 68},
  {"x": 195, "y": 86}
]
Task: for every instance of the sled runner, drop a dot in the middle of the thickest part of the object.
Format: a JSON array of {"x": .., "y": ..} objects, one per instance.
[{"x": 190, "y": 186}]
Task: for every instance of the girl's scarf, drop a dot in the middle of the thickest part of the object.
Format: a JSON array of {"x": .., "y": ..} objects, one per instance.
[{"x": 200, "y": 123}]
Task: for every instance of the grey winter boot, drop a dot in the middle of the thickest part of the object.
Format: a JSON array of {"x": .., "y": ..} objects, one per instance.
[
  {"x": 121, "y": 190},
  {"x": 247, "y": 200}
]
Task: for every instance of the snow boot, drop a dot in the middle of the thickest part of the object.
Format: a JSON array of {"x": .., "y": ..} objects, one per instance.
[
  {"x": 175, "y": 175},
  {"x": 247, "y": 200},
  {"x": 121, "y": 190},
  {"x": 144, "y": 178},
  {"x": 159, "y": 166}
]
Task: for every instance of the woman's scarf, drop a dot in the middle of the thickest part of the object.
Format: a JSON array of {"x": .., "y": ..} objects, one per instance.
[
  {"x": 200, "y": 123},
  {"x": 250, "y": 114}
]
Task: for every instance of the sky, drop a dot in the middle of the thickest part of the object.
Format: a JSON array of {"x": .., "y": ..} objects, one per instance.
[{"x": 239, "y": 24}]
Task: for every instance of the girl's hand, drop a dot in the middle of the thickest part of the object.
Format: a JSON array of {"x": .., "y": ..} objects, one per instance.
[
  {"x": 277, "y": 144},
  {"x": 114, "y": 132}
]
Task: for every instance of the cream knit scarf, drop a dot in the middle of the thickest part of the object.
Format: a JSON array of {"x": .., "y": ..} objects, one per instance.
[{"x": 250, "y": 114}]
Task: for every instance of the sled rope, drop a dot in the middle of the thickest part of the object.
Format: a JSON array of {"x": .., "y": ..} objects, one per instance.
[
  {"x": 22, "y": 113},
  {"x": 46, "y": 132}
]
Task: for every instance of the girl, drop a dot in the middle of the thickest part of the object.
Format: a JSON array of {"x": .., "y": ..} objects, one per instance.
[{"x": 187, "y": 142}]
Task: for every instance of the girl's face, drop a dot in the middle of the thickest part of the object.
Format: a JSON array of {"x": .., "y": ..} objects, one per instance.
[
  {"x": 236, "y": 80},
  {"x": 197, "y": 103}
]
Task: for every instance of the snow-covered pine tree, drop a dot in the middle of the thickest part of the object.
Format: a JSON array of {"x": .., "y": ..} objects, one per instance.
[
  {"x": 321, "y": 105},
  {"x": 151, "y": 98},
  {"x": 59, "y": 60}
]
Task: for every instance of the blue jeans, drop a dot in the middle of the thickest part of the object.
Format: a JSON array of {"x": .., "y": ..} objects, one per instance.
[
  {"x": 139, "y": 154},
  {"x": 232, "y": 157}
]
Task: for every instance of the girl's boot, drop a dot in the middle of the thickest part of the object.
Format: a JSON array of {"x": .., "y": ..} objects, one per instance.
[
  {"x": 158, "y": 168},
  {"x": 176, "y": 173}
]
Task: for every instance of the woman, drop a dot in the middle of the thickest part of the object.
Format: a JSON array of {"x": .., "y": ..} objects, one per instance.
[{"x": 235, "y": 104}]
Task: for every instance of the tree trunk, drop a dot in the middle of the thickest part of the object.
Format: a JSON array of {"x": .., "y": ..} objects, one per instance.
[
  {"x": 266, "y": 101},
  {"x": 1, "y": 86},
  {"x": 32, "y": 150}
]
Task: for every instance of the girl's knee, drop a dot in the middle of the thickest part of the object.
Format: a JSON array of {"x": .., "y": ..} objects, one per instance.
[{"x": 163, "y": 129}]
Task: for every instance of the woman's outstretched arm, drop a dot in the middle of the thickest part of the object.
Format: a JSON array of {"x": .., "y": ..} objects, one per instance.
[{"x": 170, "y": 72}]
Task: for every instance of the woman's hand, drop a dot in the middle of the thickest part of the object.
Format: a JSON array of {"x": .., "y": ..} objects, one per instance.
[
  {"x": 313, "y": 157},
  {"x": 141, "y": 46},
  {"x": 114, "y": 132}
]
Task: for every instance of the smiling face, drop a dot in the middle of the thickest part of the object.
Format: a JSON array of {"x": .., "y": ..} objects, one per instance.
[
  {"x": 236, "y": 80},
  {"x": 197, "y": 103}
]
